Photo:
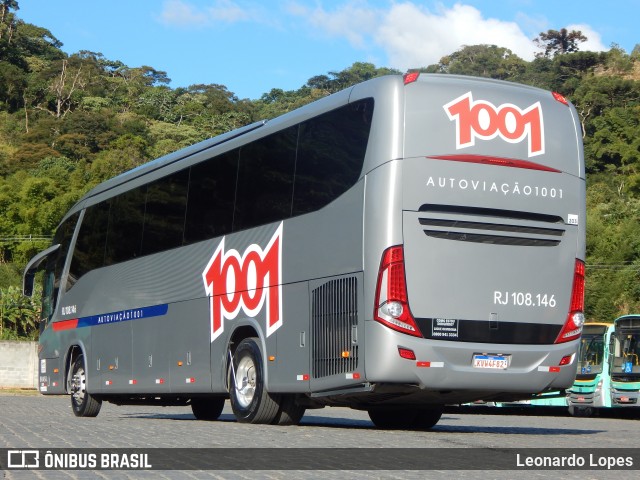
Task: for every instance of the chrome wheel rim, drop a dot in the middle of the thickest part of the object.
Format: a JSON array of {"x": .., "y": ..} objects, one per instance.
[
  {"x": 79, "y": 386},
  {"x": 245, "y": 381}
]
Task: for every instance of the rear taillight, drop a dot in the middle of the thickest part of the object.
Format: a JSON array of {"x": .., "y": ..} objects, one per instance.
[
  {"x": 560, "y": 98},
  {"x": 410, "y": 77},
  {"x": 391, "y": 303},
  {"x": 572, "y": 328}
]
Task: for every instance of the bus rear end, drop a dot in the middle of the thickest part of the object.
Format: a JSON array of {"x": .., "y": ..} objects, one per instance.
[{"x": 481, "y": 295}]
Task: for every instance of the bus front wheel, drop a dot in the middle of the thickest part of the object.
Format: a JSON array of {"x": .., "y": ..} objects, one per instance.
[
  {"x": 250, "y": 401},
  {"x": 82, "y": 402}
]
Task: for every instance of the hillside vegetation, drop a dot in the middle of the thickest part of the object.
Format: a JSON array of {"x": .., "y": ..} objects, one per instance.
[{"x": 68, "y": 122}]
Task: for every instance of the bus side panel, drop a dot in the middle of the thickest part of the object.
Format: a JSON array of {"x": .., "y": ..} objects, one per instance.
[
  {"x": 188, "y": 345},
  {"x": 150, "y": 355},
  {"x": 325, "y": 246},
  {"x": 288, "y": 363},
  {"x": 111, "y": 358}
]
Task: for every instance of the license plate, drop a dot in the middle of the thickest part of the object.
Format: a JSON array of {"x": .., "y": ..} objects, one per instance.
[
  {"x": 500, "y": 362},
  {"x": 624, "y": 399}
]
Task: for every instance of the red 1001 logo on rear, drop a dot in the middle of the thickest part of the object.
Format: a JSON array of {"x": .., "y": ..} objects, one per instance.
[{"x": 482, "y": 120}]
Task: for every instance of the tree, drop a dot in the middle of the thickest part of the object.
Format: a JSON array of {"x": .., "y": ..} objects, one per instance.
[
  {"x": 356, "y": 73},
  {"x": 487, "y": 61},
  {"x": 555, "y": 42},
  {"x": 596, "y": 94},
  {"x": 7, "y": 20},
  {"x": 615, "y": 141}
]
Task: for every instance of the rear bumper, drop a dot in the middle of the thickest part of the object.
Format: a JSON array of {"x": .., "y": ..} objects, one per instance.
[
  {"x": 446, "y": 365},
  {"x": 625, "y": 398}
]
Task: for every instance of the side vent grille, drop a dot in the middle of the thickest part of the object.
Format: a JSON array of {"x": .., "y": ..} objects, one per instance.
[
  {"x": 334, "y": 317},
  {"x": 491, "y": 226}
]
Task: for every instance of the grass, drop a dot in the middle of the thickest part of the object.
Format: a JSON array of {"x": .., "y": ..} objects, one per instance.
[{"x": 12, "y": 392}]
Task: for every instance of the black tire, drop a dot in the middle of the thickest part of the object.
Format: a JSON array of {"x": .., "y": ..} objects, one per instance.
[
  {"x": 250, "y": 401},
  {"x": 82, "y": 402},
  {"x": 428, "y": 417},
  {"x": 290, "y": 412},
  {"x": 393, "y": 418},
  {"x": 208, "y": 408}
]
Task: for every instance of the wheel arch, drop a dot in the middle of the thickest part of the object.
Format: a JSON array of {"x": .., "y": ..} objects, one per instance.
[
  {"x": 240, "y": 333},
  {"x": 73, "y": 352}
]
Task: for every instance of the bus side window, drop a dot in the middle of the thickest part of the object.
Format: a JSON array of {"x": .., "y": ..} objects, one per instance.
[
  {"x": 164, "y": 213},
  {"x": 88, "y": 253},
  {"x": 331, "y": 151},
  {"x": 212, "y": 192},
  {"x": 126, "y": 220},
  {"x": 265, "y": 180}
]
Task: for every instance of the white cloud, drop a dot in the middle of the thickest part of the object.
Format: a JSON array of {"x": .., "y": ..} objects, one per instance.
[
  {"x": 228, "y": 11},
  {"x": 594, "y": 40},
  {"x": 183, "y": 13},
  {"x": 416, "y": 37},
  {"x": 354, "y": 20},
  {"x": 413, "y": 36}
]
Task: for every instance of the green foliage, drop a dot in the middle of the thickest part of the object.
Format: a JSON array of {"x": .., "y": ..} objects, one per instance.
[
  {"x": 19, "y": 315},
  {"x": 613, "y": 248},
  {"x": 483, "y": 61}
]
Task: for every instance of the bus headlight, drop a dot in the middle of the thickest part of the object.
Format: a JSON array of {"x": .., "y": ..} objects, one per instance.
[{"x": 598, "y": 388}]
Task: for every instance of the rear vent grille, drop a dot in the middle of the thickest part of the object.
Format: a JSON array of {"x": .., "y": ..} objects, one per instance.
[
  {"x": 491, "y": 226},
  {"x": 334, "y": 320}
]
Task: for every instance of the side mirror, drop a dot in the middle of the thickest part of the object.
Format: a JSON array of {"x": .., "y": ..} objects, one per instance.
[{"x": 32, "y": 267}]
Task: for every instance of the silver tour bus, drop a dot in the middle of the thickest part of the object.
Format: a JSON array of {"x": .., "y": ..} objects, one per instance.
[{"x": 409, "y": 242}]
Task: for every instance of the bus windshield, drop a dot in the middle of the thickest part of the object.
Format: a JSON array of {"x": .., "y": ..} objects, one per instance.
[
  {"x": 627, "y": 352},
  {"x": 591, "y": 354}
]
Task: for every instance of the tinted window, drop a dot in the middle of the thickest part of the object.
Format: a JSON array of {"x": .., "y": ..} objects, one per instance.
[
  {"x": 89, "y": 251},
  {"x": 55, "y": 265},
  {"x": 165, "y": 210},
  {"x": 212, "y": 190},
  {"x": 265, "y": 180},
  {"x": 331, "y": 150},
  {"x": 126, "y": 217},
  {"x": 292, "y": 172}
]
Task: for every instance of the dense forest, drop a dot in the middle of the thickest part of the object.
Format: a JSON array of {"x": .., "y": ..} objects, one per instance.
[{"x": 68, "y": 122}]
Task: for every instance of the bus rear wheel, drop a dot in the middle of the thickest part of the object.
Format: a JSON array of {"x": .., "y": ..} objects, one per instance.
[
  {"x": 290, "y": 411},
  {"x": 82, "y": 402},
  {"x": 250, "y": 401},
  {"x": 208, "y": 408},
  {"x": 405, "y": 418},
  {"x": 393, "y": 418},
  {"x": 428, "y": 417}
]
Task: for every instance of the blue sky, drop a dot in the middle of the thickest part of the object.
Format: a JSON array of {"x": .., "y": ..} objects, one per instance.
[{"x": 252, "y": 46}]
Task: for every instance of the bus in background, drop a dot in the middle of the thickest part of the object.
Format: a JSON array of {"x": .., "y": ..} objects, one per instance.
[
  {"x": 624, "y": 351},
  {"x": 409, "y": 242},
  {"x": 591, "y": 388}
]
